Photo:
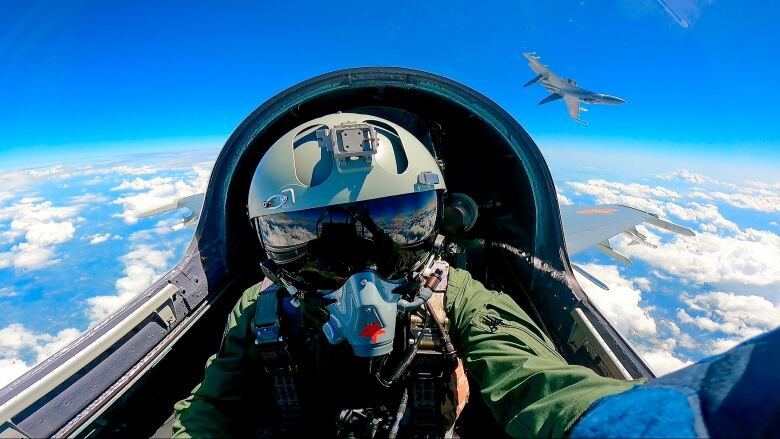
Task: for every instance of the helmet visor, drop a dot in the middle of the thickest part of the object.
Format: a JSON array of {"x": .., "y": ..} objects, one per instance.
[{"x": 408, "y": 220}]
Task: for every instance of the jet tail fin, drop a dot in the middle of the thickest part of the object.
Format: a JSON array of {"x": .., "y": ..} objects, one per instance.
[{"x": 552, "y": 97}]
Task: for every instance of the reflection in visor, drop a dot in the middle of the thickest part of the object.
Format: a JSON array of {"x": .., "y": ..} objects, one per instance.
[{"x": 407, "y": 219}]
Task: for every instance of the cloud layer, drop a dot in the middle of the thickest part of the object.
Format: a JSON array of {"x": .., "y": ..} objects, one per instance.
[
  {"x": 42, "y": 210},
  {"x": 726, "y": 279}
]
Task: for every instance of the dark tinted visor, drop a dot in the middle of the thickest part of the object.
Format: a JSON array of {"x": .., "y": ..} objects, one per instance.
[{"x": 407, "y": 219}]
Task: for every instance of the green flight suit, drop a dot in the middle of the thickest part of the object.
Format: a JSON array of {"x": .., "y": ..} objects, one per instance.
[{"x": 527, "y": 385}]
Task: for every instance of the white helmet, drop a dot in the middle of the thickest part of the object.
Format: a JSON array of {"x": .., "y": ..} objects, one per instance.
[{"x": 351, "y": 169}]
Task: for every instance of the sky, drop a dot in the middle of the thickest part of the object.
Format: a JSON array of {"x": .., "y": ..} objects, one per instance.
[
  {"x": 108, "y": 109},
  {"x": 77, "y": 76}
]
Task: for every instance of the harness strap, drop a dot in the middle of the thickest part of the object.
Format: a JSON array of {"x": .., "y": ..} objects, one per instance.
[
  {"x": 438, "y": 389},
  {"x": 277, "y": 361}
]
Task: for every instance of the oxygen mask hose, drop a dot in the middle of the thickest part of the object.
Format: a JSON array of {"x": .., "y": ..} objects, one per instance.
[{"x": 390, "y": 376}]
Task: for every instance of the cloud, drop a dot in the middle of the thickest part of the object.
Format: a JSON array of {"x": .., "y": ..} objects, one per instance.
[
  {"x": 61, "y": 172},
  {"x": 89, "y": 199},
  {"x": 11, "y": 369},
  {"x": 42, "y": 224},
  {"x": 746, "y": 261},
  {"x": 562, "y": 199},
  {"x": 729, "y": 313},
  {"x": 49, "y": 233},
  {"x": 662, "y": 361},
  {"x": 140, "y": 184},
  {"x": 761, "y": 200},
  {"x": 97, "y": 239},
  {"x": 707, "y": 215},
  {"x": 12, "y": 181},
  {"x": 21, "y": 349},
  {"x": 599, "y": 186},
  {"x": 721, "y": 345},
  {"x": 31, "y": 257},
  {"x": 634, "y": 195},
  {"x": 27, "y": 257},
  {"x": 7, "y": 292},
  {"x": 144, "y": 264},
  {"x": 685, "y": 175},
  {"x": 621, "y": 304},
  {"x": 758, "y": 196},
  {"x": 622, "y": 307},
  {"x": 30, "y": 211}
]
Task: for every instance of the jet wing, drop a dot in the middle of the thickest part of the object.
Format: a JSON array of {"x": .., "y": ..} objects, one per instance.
[
  {"x": 593, "y": 226},
  {"x": 536, "y": 66},
  {"x": 193, "y": 202},
  {"x": 573, "y": 105}
]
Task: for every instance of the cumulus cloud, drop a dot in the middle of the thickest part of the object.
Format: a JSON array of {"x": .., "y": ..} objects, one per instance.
[
  {"x": 622, "y": 306},
  {"x": 734, "y": 317},
  {"x": 634, "y": 195},
  {"x": 140, "y": 184},
  {"x": 42, "y": 224},
  {"x": 600, "y": 186},
  {"x": 707, "y": 215},
  {"x": 88, "y": 198},
  {"x": 159, "y": 191},
  {"x": 97, "y": 239},
  {"x": 761, "y": 200},
  {"x": 7, "y": 292},
  {"x": 64, "y": 172},
  {"x": 144, "y": 264},
  {"x": 745, "y": 261},
  {"x": 31, "y": 257},
  {"x": 25, "y": 256},
  {"x": 662, "y": 361},
  {"x": 11, "y": 369},
  {"x": 49, "y": 233},
  {"x": 685, "y": 175},
  {"x": 12, "y": 181},
  {"x": 562, "y": 199},
  {"x": 21, "y": 348},
  {"x": 30, "y": 211},
  {"x": 753, "y": 195}
]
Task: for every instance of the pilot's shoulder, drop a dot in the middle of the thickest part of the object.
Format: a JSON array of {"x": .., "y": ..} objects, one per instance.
[
  {"x": 249, "y": 296},
  {"x": 457, "y": 278}
]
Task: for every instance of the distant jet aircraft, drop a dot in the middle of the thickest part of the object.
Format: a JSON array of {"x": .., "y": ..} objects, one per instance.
[{"x": 565, "y": 88}]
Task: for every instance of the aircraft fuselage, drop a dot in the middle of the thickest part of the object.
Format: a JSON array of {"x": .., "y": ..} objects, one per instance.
[{"x": 564, "y": 86}]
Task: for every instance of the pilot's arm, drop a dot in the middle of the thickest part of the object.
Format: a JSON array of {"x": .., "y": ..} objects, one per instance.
[
  {"x": 528, "y": 386},
  {"x": 219, "y": 403}
]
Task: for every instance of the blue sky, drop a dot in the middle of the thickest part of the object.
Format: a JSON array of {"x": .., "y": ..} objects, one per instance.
[{"x": 139, "y": 76}]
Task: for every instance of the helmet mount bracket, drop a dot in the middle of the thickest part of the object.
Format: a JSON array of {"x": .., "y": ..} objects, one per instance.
[{"x": 353, "y": 144}]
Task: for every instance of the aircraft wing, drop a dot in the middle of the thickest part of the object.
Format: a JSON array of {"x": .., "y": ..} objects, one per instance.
[
  {"x": 593, "y": 226},
  {"x": 193, "y": 202},
  {"x": 573, "y": 105},
  {"x": 536, "y": 66}
]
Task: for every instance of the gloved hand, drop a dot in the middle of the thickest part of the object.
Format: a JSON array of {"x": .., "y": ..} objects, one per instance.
[{"x": 734, "y": 394}]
